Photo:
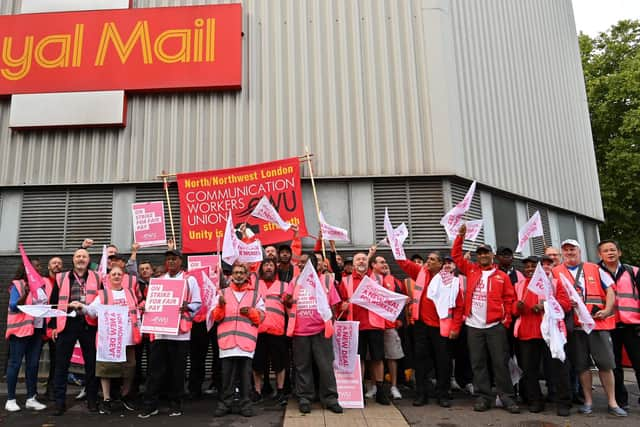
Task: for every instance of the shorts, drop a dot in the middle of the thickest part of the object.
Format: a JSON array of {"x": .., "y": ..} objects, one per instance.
[
  {"x": 118, "y": 369},
  {"x": 270, "y": 348},
  {"x": 392, "y": 345},
  {"x": 597, "y": 344},
  {"x": 373, "y": 341}
]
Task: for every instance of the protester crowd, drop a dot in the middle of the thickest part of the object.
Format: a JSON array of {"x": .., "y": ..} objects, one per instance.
[{"x": 472, "y": 322}]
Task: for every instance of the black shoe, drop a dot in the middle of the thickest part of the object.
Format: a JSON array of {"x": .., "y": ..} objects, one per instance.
[
  {"x": 335, "y": 408},
  {"x": 93, "y": 407},
  {"x": 221, "y": 411},
  {"x": 563, "y": 411},
  {"x": 59, "y": 410},
  {"x": 512, "y": 408},
  {"x": 382, "y": 398},
  {"x": 444, "y": 402},
  {"x": 105, "y": 408},
  {"x": 305, "y": 408},
  {"x": 128, "y": 404},
  {"x": 536, "y": 407},
  {"x": 420, "y": 400},
  {"x": 147, "y": 413},
  {"x": 281, "y": 398},
  {"x": 193, "y": 395},
  {"x": 256, "y": 397},
  {"x": 481, "y": 405},
  {"x": 247, "y": 411}
]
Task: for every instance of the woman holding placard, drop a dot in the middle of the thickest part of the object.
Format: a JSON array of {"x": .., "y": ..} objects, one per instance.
[
  {"x": 24, "y": 334},
  {"x": 115, "y": 294}
]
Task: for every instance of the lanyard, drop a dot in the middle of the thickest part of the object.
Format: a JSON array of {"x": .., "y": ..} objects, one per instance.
[{"x": 80, "y": 282}]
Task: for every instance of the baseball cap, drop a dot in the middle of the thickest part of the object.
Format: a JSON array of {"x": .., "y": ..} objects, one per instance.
[
  {"x": 116, "y": 256},
  {"x": 174, "y": 252},
  {"x": 504, "y": 250},
  {"x": 534, "y": 259},
  {"x": 484, "y": 248},
  {"x": 547, "y": 258},
  {"x": 349, "y": 260},
  {"x": 448, "y": 258},
  {"x": 571, "y": 242}
]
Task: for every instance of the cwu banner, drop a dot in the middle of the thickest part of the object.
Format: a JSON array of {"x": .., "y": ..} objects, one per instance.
[{"x": 207, "y": 197}]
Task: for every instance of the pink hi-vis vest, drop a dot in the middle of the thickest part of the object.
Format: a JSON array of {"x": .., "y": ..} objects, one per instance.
[
  {"x": 20, "y": 324},
  {"x": 237, "y": 330},
  {"x": 420, "y": 286},
  {"x": 129, "y": 281},
  {"x": 91, "y": 292},
  {"x": 374, "y": 320},
  {"x": 107, "y": 299},
  {"x": 627, "y": 299},
  {"x": 273, "y": 322},
  {"x": 326, "y": 279}
]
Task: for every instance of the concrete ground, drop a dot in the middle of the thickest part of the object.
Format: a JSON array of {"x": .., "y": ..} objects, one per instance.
[{"x": 200, "y": 413}]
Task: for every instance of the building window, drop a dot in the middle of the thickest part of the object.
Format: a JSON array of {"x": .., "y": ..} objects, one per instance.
[
  {"x": 567, "y": 227},
  {"x": 506, "y": 221}
]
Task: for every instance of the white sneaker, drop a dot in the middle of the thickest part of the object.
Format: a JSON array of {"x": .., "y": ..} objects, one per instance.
[
  {"x": 82, "y": 394},
  {"x": 469, "y": 388},
  {"x": 12, "y": 406},
  {"x": 371, "y": 392},
  {"x": 34, "y": 404},
  {"x": 395, "y": 393}
]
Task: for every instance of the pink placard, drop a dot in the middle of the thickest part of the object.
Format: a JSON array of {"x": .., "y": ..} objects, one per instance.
[
  {"x": 162, "y": 308},
  {"x": 350, "y": 387},
  {"x": 203, "y": 261},
  {"x": 148, "y": 224},
  {"x": 76, "y": 356}
]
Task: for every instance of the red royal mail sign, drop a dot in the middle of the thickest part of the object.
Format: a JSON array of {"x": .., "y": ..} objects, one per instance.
[{"x": 144, "y": 49}]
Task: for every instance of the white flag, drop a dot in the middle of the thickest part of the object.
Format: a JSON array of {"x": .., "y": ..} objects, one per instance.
[
  {"x": 114, "y": 332},
  {"x": 550, "y": 328},
  {"x": 310, "y": 281},
  {"x": 395, "y": 238},
  {"x": 533, "y": 228},
  {"x": 37, "y": 310},
  {"x": 230, "y": 243},
  {"x": 539, "y": 283},
  {"x": 586, "y": 321},
  {"x": 331, "y": 232},
  {"x": 102, "y": 267},
  {"x": 345, "y": 345},
  {"x": 452, "y": 220},
  {"x": 473, "y": 229},
  {"x": 250, "y": 252},
  {"x": 265, "y": 210},
  {"x": 378, "y": 299}
]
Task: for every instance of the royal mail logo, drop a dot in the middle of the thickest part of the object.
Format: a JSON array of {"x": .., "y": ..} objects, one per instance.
[{"x": 144, "y": 49}]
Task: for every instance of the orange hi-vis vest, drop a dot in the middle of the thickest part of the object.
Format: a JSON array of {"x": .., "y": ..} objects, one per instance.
[
  {"x": 595, "y": 295},
  {"x": 132, "y": 303},
  {"x": 20, "y": 324},
  {"x": 129, "y": 281},
  {"x": 91, "y": 292},
  {"x": 374, "y": 320},
  {"x": 273, "y": 322},
  {"x": 410, "y": 285},
  {"x": 325, "y": 279},
  {"x": 421, "y": 284},
  {"x": 186, "y": 317},
  {"x": 627, "y": 299},
  {"x": 237, "y": 330}
]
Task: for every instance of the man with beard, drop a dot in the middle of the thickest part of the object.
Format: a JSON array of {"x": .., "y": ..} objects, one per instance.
[
  {"x": 54, "y": 267},
  {"x": 239, "y": 312}
]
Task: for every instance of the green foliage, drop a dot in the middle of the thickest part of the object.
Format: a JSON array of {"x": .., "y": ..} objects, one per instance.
[{"x": 611, "y": 64}]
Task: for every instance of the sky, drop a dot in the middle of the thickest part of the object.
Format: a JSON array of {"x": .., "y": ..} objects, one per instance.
[{"x": 595, "y": 16}]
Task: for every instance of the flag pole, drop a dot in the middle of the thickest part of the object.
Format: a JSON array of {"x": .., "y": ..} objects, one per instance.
[
  {"x": 166, "y": 192},
  {"x": 315, "y": 198}
]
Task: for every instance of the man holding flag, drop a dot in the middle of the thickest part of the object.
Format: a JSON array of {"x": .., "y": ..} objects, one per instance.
[
  {"x": 309, "y": 299},
  {"x": 529, "y": 310}
]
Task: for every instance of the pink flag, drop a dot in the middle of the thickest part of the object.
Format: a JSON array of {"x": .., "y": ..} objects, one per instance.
[
  {"x": 345, "y": 345},
  {"x": 250, "y": 252},
  {"x": 533, "y": 228},
  {"x": 309, "y": 280},
  {"x": 378, "y": 299},
  {"x": 230, "y": 243},
  {"x": 265, "y": 210},
  {"x": 102, "y": 267},
  {"x": 331, "y": 232},
  {"x": 395, "y": 237},
  {"x": 35, "y": 280},
  {"x": 208, "y": 291},
  {"x": 452, "y": 220},
  {"x": 473, "y": 229}
]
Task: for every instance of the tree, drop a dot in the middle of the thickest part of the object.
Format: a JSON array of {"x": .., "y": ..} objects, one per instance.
[{"x": 611, "y": 64}]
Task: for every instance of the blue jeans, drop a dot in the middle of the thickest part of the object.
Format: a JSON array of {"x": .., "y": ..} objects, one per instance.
[{"x": 28, "y": 348}]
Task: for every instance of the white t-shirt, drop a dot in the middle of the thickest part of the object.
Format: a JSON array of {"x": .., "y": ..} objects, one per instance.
[
  {"x": 478, "y": 316},
  {"x": 237, "y": 351}
]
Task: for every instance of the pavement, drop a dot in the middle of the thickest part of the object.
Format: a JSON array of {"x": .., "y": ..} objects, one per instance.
[{"x": 401, "y": 413}]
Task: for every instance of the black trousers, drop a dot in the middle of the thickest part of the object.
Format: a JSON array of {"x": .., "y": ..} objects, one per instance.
[
  {"x": 76, "y": 329},
  {"x": 432, "y": 351},
  {"x": 166, "y": 358},
  {"x": 629, "y": 337},
  {"x": 532, "y": 354},
  {"x": 52, "y": 365},
  {"x": 141, "y": 374},
  {"x": 462, "y": 372},
  {"x": 306, "y": 351},
  {"x": 198, "y": 347},
  {"x": 235, "y": 370},
  {"x": 491, "y": 342}
]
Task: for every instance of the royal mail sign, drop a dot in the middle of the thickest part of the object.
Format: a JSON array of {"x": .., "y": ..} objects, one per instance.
[{"x": 139, "y": 49}]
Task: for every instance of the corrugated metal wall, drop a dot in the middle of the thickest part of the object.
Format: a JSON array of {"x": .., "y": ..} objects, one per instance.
[
  {"x": 350, "y": 79},
  {"x": 524, "y": 111}
]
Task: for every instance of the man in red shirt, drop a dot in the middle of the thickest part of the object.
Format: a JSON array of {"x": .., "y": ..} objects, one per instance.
[{"x": 487, "y": 306}]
